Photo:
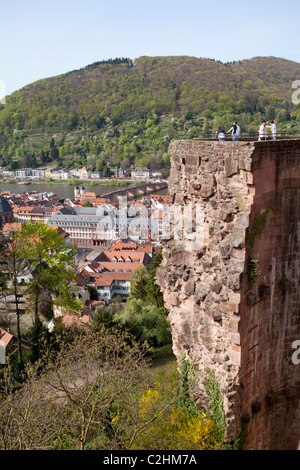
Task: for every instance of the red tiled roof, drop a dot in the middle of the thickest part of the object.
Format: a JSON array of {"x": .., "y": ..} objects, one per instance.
[
  {"x": 22, "y": 209},
  {"x": 159, "y": 197},
  {"x": 119, "y": 245},
  {"x": 145, "y": 248},
  {"x": 60, "y": 231},
  {"x": 5, "y": 337},
  {"x": 89, "y": 193},
  {"x": 115, "y": 266},
  {"x": 69, "y": 319},
  {"x": 13, "y": 227},
  {"x": 80, "y": 281},
  {"x": 123, "y": 245},
  {"x": 89, "y": 303},
  {"x": 108, "y": 256},
  {"x": 106, "y": 279}
]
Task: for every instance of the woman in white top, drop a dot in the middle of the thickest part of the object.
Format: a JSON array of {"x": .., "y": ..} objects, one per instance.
[{"x": 220, "y": 134}]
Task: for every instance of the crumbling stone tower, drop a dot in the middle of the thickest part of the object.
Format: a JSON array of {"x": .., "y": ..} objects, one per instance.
[{"x": 234, "y": 298}]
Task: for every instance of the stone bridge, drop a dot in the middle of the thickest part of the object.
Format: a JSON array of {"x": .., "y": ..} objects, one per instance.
[{"x": 136, "y": 190}]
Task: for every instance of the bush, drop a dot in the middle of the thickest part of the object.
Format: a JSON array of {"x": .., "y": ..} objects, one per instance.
[{"x": 175, "y": 429}]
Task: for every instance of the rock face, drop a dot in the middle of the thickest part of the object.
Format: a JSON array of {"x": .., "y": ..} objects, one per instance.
[{"x": 230, "y": 278}]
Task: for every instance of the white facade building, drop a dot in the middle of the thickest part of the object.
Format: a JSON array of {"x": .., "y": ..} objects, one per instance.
[
  {"x": 141, "y": 173},
  {"x": 24, "y": 173}
]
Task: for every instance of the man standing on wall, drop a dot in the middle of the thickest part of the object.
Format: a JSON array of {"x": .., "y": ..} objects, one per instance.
[
  {"x": 273, "y": 128},
  {"x": 235, "y": 129},
  {"x": 262, "y": 135}
]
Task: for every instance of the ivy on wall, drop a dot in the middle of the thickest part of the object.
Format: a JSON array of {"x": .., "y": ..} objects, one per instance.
[
  {"x": 215, "y": 403},
  {"x": 187, "y": 380},
  {"x": 256, "y": 229}
]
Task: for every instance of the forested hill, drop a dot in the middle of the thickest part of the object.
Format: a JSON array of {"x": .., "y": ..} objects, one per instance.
[{"x": 123, "y": 111}]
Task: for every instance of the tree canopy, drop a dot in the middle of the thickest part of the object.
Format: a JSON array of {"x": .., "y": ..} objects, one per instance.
[{"x": 123, "y": 111}]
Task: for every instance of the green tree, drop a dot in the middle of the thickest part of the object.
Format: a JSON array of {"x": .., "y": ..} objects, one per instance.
[
  {"x": 143, "y": 284},
  {"x": 54, "y": 152},
  {"x": 145, "y": 322},
  {"x": 138, "y": 284},
  {"x": 93, "y": 293},
  {"x": 51, "y": 263},
  {"x": 154, "y": 295},
  {"x": 104, "y": 316},
  {"x": 70, "y": 403},
  {"x": 106, "y": 172},
  {"x": 12, "y": 268},
  {"x": 44, "y": 157}
]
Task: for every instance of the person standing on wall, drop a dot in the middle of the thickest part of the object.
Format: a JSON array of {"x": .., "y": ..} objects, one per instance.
[
  {"x": 262, "y": 135},
  {"x": 220, "y": 134},
  {"x": 235, "y": 129},
  {"x": 273, "y": 128}
]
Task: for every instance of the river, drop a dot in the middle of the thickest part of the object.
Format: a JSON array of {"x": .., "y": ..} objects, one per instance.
[{"x": 63, "y": 191}]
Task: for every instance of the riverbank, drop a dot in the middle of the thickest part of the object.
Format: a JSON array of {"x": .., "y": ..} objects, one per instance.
[
  {"x": 72, "y": 182},
  {"x": 66, "y": 190}
]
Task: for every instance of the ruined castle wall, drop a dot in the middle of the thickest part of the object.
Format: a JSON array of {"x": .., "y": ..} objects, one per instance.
[
  {"x": 201, "y": 285},
  {"x": 270, "y": 309},
  {"x": 244, "y": 335}
]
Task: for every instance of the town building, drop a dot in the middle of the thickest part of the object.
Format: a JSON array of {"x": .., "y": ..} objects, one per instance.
[
  {"x": 38, "y": 173},
  {"x": 129, "y": 245},
  {"x": 96, "y": 175},
  {"x": 82, "y": 196},
  {"x": 84, "y": 173},
  {"x": 141, "y": 173},
  {"x": 48, "y": 173},
  {"x": 74, "y": 172},
  {"x": 87, "y": 226},
  {"x": 9, "y": 228},
  {"x": 34, "y": 214},
  {"x": 6, "y": 213},
  {"x": 111, "y": 285},
  {"x": 56, "y": 175},
  {"x": 119, "y": 173},
  {"x": 8, "y": 173},
  {"x": 7, "y": 343},
  {"x": 111, "y": 271},
  {"x": 23, "y": 173},
  {"x": 157, "y": 174}
]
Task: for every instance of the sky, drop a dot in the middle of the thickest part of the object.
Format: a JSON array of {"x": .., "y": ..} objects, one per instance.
[{"x": 44, "y": 39}]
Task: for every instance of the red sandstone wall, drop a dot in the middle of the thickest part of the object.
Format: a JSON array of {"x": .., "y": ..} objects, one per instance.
[
  {"x": 269, "y": 380},
  {"x": 245, "y": 339},
  {"x": 202, "y": 286}
]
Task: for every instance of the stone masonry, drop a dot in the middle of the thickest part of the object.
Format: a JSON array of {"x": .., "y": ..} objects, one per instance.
[{"x": 238, "y": 319}]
